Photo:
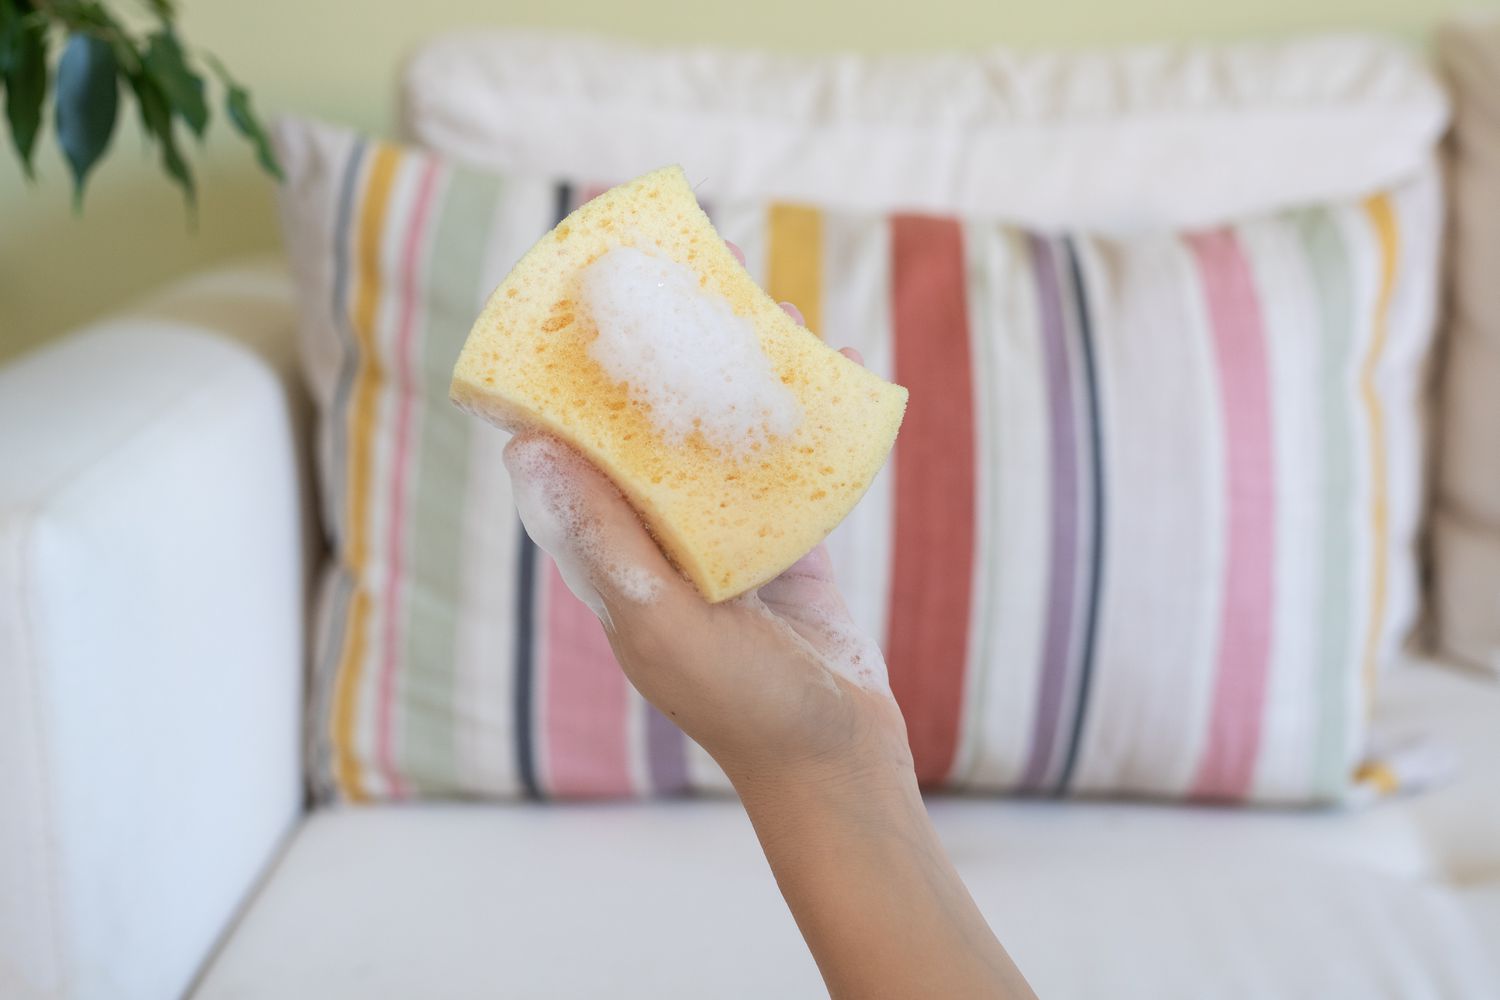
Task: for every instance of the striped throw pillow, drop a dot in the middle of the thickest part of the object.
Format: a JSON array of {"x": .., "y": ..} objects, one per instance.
[{"x": 1148, "y": 528}]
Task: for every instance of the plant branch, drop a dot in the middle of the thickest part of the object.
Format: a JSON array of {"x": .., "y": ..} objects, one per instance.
[{"x": 101, "y": 59}]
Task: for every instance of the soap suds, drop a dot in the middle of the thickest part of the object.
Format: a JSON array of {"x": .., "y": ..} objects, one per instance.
[
  {"x": 807, "y": 601},
  {"x": 548, "y": 486},
  {"x": 544, "y": 476},
  {"x": 635, "y": 583},
  {"x": 684, "y": 353}
]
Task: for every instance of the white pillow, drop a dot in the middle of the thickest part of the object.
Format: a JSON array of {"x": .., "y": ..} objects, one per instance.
[{"x": 1164, "y": 137}]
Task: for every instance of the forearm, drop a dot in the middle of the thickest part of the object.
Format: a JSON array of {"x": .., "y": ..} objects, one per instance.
[{"x": 872, "y": 889}]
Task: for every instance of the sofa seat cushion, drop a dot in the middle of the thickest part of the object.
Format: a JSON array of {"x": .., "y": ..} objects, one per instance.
[
  {"x": 1094, "y": 899},
  {"x": 1457, "y": 823}
]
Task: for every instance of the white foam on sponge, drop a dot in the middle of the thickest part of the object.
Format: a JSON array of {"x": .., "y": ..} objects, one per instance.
[
  {"x": 546, "y": 483},
  {"x": 684, "y": 353}
]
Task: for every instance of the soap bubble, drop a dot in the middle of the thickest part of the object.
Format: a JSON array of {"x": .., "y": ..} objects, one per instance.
[{"x": 684, "y": 353}]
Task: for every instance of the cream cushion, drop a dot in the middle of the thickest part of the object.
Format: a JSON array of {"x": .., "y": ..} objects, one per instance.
[
  {"x": 1102, "y": 899},
  {"x": 1158, "y": 137},
  {"x": 1466, "y": 518}
]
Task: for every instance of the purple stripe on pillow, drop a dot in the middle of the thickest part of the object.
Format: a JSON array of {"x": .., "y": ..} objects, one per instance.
[
  {"x": 1063, "y": 547},
  {"x": 666, "y": 753}
]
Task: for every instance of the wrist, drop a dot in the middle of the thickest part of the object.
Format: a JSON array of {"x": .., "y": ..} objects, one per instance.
[
  {"x": 855, "y": 736},
  {"x": 872, "y": 759},
  {"x": 875, "y": 789}
]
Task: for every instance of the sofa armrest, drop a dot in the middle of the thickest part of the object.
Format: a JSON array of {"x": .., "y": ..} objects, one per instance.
[{"x": 153, "y": 569}]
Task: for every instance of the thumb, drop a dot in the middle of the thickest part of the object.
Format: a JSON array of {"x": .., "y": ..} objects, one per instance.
[{"x": 579, "y": 518}]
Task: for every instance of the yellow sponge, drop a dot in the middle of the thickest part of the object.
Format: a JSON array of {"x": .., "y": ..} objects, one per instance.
[{"x": 730, "y": 517}]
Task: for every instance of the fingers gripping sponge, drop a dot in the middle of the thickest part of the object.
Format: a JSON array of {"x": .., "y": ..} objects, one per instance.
[{"x": 731, "y": 514}]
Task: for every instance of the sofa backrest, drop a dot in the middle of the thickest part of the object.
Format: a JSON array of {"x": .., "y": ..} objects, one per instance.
[
  {"x": 1465, "y": 530},
  {"x": 1155, "y": 137}
]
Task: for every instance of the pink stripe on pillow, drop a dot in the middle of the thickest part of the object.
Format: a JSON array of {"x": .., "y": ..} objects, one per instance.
[
  {"x": 1234, "y": 732},
  {"x": 585, "y": 711},
  {"x": 407, "y": 363}
]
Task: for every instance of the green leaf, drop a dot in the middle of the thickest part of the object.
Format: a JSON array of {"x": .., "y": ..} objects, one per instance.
[
  {"x": 156, "y": 116},
  {"x": 99, "y": 22},
  {"x": 156, "y": 121},
  {"x": 237, "y": 103},
  {"x": 25, "y": 86},
  {"x": 237, "y": 106},
  {"x": 166, "y": 64},
  {"x": 163, "y": 10},
  {"x": 10, "y": 24},
  {"x": 87, "y": 101}
]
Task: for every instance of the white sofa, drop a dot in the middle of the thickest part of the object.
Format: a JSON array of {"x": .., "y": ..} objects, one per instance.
[
  {"x": 156, "y": 533},
  {"x": 154, "y": 514}
]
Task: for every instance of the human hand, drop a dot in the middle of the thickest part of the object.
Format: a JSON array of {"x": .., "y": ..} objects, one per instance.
[
  {"x": 792, "y": 701},
  {"x": 777, "y": 683}
]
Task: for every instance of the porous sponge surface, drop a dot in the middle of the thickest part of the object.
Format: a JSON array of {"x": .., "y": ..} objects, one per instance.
[{"x": 730, "y": 519}]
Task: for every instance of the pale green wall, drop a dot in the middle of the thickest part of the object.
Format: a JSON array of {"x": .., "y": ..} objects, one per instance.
[{"x": 338, "y": 59}]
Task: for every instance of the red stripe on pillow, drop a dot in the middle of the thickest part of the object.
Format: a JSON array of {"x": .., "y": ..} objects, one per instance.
[{"x": 933, "y": 549}]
